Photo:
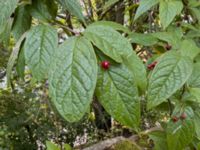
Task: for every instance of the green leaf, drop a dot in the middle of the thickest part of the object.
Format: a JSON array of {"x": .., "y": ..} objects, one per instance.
[
  {"x": 43, "y": 10},
  {"x": 7, "y": 7},
  {"x": 195, "y": 92},
  {"x": 51, "y": 146},
  {"x": 197, "y": 123},
  {"x": 171, "y": 72},
  {"x": 72, "y": 78},
  {"x": 143, "y": 39},
  {"x": 181, "y": 133},
  {"x": 114, "y": 25},
  {"x": 144, "y": 6},
  {"x": 193, "y": 3},
  {"x": 67, "y": 147},
  {"x": 39, "y": 47},
  {"x": 168, "y": 10},
  {"x": 109, "y": 41},
  {"x": 12, "y": 59},
  {"x": 189, "y": 48},
  {"x": 5, "y": 35},
  {"x": 109, "y": 3},
  {"x": 160, "y": 140},
  {"x": 20, "y": 66},
  {"x": 118, "y": 93},
  {"x": 74, "y": 7},
  {"x": 194, "y": 80},
  {"x": 196, "y": 13},
  {"x": 22, "y": 22},
  {"x": 170, "y": 37},
  {"x": 136, "y": 66}
]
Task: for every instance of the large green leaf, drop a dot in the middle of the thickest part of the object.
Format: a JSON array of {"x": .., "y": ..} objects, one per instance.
[
  {"x": 181, "y": 133},
  {"x": 72, "y": 78},
  {"x": 114, "y": 25},
  {"x": 39, "y": 47},
  {"x": 168, "y": 10},
  {"x": 143, "y": 39},
  {"x": 74, "y": 7},
  {"x": 194, "y": 80},
  {"x": 168, "y": 76},
  {"x": 118, "y": 93},
  {"x": 160, "y": 140},
  {"x": 109, "y": 41},
  {"x": 144, "y": 6},
  {"x": 189, "y": 48},
  {"x": 7, "y": 7},
  {"x": 43, "y": 9},
  {"x": 136, "y": 66},
  {"x": 22, "y": 22}
]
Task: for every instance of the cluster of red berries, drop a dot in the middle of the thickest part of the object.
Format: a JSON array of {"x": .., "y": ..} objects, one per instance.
[
  {"x": 152, "y": 65},
  {"x": 182, "y": 117},
  {"x": 105, "y": 64}
]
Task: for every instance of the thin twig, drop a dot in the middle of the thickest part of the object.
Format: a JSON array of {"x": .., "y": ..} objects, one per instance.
[{"x": 67, "y": 28}]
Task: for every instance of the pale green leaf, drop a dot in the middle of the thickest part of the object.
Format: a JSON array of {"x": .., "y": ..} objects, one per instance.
[
  {"x": 39, "y": 47},
  {"x": 51, "y": 146},
  {"x": 22, "y": 22},
  {"x": 7, "y": 7},
  {"x": 171, "y": 72},
  {"x": 144, "y": 6},
  {"x": 143, "y": 39},
  {"x": 74, "y": 7},
  {"x": 189, "y": 48},
  {"x": 168, "y": 11},
  {"x": 72, "y": 78},
  {"x": 118, "y": 93},
  {"x": 109, "y": 41},
  {"x": 136, "y": 66}
]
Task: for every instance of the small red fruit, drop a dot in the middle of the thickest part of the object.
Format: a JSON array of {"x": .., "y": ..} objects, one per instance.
[
  {"x": 105, "y": 65},
  {"x": 152, "y": 65},
  {"x": 183, "y": 116},
  {"x": 168, "y": 47},
  {"x": 175, "y": 119}
]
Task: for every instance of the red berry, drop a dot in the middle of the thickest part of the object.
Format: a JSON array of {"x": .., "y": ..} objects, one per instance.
[
  {"x": 168, "y": 47},
  {"x": 105, "y": 65},
  {"x": 152, "y": 65},
  {"x": 175, "y": 119},
  {"x": 183, "y": 116}
]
